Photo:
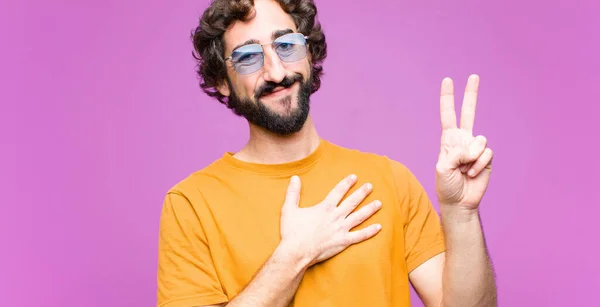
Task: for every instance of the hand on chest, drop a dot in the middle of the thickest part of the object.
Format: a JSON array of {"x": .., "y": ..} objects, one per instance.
[{"x": 250, "y": 228}]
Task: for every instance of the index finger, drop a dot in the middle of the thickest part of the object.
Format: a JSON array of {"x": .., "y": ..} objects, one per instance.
[
  {"x": 340, "y": 190},
  {"x": 292, "y": 195},
  {"x": 447, "y": 113}
]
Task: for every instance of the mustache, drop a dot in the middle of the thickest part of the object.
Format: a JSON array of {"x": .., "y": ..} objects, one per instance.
[{"x": 269, "y": 86}]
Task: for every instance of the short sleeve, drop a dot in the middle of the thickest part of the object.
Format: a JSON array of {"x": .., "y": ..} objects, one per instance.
[
  {"x": 186, "y": 273},
  {"x": 423, "y": 235}
]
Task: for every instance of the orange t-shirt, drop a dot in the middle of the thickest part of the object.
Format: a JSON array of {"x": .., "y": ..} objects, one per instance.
[{"x": 220, "y": 224}]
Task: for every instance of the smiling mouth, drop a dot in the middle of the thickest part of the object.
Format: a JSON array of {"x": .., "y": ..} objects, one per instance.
[{"x": 279, "y": 91}]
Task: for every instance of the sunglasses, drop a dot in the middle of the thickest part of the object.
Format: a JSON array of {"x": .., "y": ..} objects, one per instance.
[{"x": 251, "y": 58}]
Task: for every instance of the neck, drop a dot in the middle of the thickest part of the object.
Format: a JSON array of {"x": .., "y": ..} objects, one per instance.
[{"x": 267, "y": 148}]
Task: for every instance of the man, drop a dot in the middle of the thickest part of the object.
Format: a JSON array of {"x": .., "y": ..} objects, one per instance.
[{"x": 292, "y": 219}]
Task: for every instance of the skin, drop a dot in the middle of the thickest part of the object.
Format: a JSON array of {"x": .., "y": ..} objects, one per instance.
[
  {"x": 462, "y": 276},
  {"x": 263, "y": 146}
]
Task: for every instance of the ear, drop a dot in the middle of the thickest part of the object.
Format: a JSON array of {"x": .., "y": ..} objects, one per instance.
[{"x": 223, "y": 88}]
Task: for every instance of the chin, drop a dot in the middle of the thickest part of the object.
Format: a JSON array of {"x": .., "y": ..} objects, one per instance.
[{"x": 282, "y": 105}]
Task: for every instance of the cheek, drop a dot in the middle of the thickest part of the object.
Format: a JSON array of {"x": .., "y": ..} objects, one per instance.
[
  {"x": 302, "y": 66},
  {"x": 244, "y": 87},
  {"x": 250, "y": 87},
  {"x": 307, "y": 67}
]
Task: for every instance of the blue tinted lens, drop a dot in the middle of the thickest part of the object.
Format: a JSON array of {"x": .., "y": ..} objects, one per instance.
[
  {"x": 247, "y": 59},
  {"x": 291, "y": 47}
]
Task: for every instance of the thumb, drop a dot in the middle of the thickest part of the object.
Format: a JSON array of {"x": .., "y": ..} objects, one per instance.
[{"x": 292, "y": 196}]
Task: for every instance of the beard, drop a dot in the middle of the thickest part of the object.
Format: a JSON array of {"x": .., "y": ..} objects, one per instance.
[{"x": 259, "y": 114}]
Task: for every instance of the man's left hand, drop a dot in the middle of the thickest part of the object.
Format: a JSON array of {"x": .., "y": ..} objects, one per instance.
[{"x": 465, "y": 162}]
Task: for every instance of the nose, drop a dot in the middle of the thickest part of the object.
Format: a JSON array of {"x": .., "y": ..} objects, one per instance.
[{"x": 273, "y": 67}]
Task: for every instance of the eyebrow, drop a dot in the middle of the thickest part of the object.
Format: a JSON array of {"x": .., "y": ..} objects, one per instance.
[
  {"x": 274, "y": 36},
  {"x": 279, "y": 33},
  {"x": 248, "y": 42}
]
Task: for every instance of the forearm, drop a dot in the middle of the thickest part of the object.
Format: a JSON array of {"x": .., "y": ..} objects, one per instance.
[
  {"x": 468, "y": 277},
  {"x": 276, "y": 282}
]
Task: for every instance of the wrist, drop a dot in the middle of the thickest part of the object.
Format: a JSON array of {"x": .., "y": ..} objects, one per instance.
[
  {"x": 457, "y": 213},
  {"x": 288, "y": 254}
]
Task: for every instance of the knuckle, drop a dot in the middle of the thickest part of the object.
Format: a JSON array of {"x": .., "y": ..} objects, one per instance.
[
  {"x": 366, "y": 234},
  {"x": 322, "y": 206},
  {"x": 375, "y": 229},
  {"x": 349, "y": 240},
  {"x": 361, "y": 235},
  {"x": 347, "y": 183},
  {"x": 326, "y": 206},
  {"x": 339, "y": 189},
  {"x": 364, "y": 214},
  {"x": 369, "y": 232},
  {"x": 342, "y": 240},
  {"x": 329, "y": 207},
  {"x": 354, "y": 202},
  {"x": 357, "y": 220},
  {"x": 374, "y": 207}
]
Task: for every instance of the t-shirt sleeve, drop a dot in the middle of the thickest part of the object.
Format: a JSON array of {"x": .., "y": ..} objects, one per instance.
[
  {"x": 423, "y": 235},
  {"x": 186, "y": 273}
]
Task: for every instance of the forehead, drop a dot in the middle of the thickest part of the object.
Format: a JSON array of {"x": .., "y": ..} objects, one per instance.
[{"x": 268, "y": 18}]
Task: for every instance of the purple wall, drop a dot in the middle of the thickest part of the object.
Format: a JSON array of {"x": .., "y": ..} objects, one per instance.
[{"x": 101, "y": 114}]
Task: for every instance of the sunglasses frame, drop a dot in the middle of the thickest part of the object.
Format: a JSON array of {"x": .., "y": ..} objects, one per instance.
[{"x": 230, "y": 58}]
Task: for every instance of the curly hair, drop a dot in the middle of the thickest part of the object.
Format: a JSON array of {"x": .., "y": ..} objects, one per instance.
[{"x": 209, "y": 46}]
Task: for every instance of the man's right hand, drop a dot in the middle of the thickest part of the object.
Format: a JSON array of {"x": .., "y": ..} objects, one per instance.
[
  {"x": 308, "y": 236},
  {"x": 317, "y": 233}
]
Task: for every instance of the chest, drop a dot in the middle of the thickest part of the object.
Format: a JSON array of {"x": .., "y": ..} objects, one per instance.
[{"x": 248, "y": 225}]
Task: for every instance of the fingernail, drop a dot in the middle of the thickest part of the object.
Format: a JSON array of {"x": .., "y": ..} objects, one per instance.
[
  {"x": 368, "y": 186},
  {"x": 353, "y": 177},
  {"x": 378, "y": 226},
  {"x": 377, "y": 204},
  {"x": 295, "y": 178},
  {"x": 471, "y": 172}
]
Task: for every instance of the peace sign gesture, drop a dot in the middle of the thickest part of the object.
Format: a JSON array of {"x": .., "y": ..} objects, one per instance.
[{"x": 464, "y": 164}]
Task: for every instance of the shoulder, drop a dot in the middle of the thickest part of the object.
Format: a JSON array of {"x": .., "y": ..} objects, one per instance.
[
  {"x": 197, "y": 181},
  {"x": 379, "y": 162},
  {"x": 186, "y": 198},
  {"x": 393, "y": 171}
]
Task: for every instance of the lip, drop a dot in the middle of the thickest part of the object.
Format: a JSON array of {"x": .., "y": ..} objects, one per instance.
[{"x": 279, "y": 91}]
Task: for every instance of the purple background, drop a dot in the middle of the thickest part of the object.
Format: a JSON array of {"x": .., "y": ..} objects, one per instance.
[{"x": 101, "y": 114}]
